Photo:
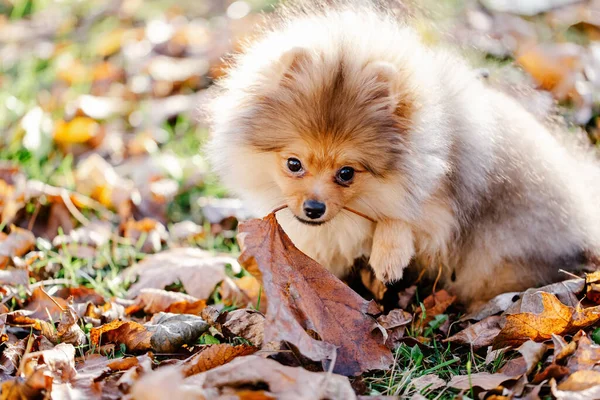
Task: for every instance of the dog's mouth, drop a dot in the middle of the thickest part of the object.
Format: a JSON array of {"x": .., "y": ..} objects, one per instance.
[{"x": 309, "y": 222}]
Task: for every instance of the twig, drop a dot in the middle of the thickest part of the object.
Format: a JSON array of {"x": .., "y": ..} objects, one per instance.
[
  {"x": 54, "y": 301},
  {"x": 73, "y": 209},
  {"x": 38, "y": 206}
]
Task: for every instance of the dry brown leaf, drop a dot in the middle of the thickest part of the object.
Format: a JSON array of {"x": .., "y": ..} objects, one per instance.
[
  {"x": 199, "y": 271},
  {"x": 553, "y": 371},
  {"x": 586, "y": 357},
  {"x": 11, "y": 356},
  {"x": 14, "y": 277},
  {"x": 592, "y": 286},
  {"x": 81, "y": 294},
  {"x": 246, "y": 323},
  {"x": 555, "y": 318},
  {"x": 395, "y": 323},
  {"x": 214, "y": 355},
  {"x": 248, "y": 377},
  {"x": 134, "y": 335},
  {"x": 582, "y": 385},
  {"x": 483, "y": 380},
  {"x": 153, "y": 301},
  {"x": 480, "y": 334},
  {"x": 16, "y": 244},
  {"x": 164, "y": 333},
  {"x": 435, "y": 304},
  {"x": 428, "y": 382},
  {"x": 43, "y": 307},
  {"x": 305, "y": 296}
]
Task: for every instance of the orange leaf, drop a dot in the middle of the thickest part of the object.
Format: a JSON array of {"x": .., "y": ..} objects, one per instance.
[
  {"x": 214, "y": 355},
  {"x": 556, "y": 318}
]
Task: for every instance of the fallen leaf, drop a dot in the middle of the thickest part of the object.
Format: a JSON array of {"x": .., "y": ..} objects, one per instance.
[
  {"x": 428, "y": 382},
  {"x": 480, "y": 334},
  {"x": 164, "y": 333},
  {"x": 435, "y": 304},
  {"x": 555, "y": 318},
  {"x": 16, "y": 244},
  {"x": 562, "y": 349},
  {"x": 484, "y": 380},
  {"x": 586, "y": 357},
  {"x": 246, "y": 323},
  {"x": 214, "y": 355},
  {"x": 199, "y": 271},
  {"x": 11, "y": 356},
  {"x": 130, "y": 333},
  {"x": 81, "y": 294},
  {"x": 305, "y": 296},
  {"x": 153, "y": 301},
  {"x": 405, "y": 297},
  {"x": 78, "y": 130},
  {"x": 395, "y": 323},
  {"x": 14, "y": 277},
  {"x": 248, "y": 377},
  {"x": 581, "y": 385},
  {"x": 553, "y": 371},
  {"x": 153, "y": 233},
  {"x": 532, "y": 353},
  {"x": 45, "y": 307}
]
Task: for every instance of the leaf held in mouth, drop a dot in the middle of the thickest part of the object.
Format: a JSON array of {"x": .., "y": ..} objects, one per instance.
[{"x": 303, "y": 296}]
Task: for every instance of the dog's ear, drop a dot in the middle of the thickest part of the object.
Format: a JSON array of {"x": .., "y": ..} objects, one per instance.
[
  {"x": 381, "y": 77},
  {"x": 290, "y": 63},
  {"x": 386, "y": 86}
]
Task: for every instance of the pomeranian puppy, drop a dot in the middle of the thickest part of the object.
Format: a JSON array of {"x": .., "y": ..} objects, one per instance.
[{"x": 343, "y": 106}]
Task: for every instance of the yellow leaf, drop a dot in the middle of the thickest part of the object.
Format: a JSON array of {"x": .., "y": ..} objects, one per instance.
[{"x": 78, "y": 130}]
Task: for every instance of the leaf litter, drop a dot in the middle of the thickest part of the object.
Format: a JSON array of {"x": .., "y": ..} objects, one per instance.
[{"x": 118, "y": 271}]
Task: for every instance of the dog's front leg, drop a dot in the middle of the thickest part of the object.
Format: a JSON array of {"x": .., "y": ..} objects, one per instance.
[{"x": 393, "y": 248}]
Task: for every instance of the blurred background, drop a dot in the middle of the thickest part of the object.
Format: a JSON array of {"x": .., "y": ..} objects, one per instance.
[{"x": 99, "y": 100}]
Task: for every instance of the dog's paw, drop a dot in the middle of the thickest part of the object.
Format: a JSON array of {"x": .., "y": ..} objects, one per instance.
[
  {"x": 393, "y": 249},
  {"x": 389, "y": 263}
]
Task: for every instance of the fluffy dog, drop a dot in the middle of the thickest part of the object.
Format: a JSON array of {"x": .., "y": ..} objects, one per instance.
[{"x": 343, "y": 106}]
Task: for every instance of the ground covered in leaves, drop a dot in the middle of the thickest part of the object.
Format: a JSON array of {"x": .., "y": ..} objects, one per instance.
[{"x": 120, "y": 271}]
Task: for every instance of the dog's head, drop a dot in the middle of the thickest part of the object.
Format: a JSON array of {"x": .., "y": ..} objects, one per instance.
[{"x": 334, "y": 126}]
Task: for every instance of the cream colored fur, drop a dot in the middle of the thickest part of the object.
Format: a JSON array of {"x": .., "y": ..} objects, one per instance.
[{"x": 480, "y": 187}]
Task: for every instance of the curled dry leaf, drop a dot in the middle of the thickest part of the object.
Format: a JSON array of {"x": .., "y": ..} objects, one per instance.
[
  {"x": 555, "y": 318},
  {"x": 214, "y": 355},
  {"x": 305, "y": 296},
  {"x": 199, "y": 271},
  {"x": 153, "y": 301},
  {"x": 480, "y": 334},
  {"x": 395, "y": 324},
  {"x": 16, "y": 244},
  {"x": 165, "y": 333}
]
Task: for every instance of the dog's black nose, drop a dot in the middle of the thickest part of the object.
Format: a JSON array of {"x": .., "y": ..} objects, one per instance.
[{"x": 313, "y": 209}]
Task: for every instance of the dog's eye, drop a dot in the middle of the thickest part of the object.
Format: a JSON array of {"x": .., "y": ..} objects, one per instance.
[
  {"x": 294, "y": 165},
  {"x": 345, "y": 174}
]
